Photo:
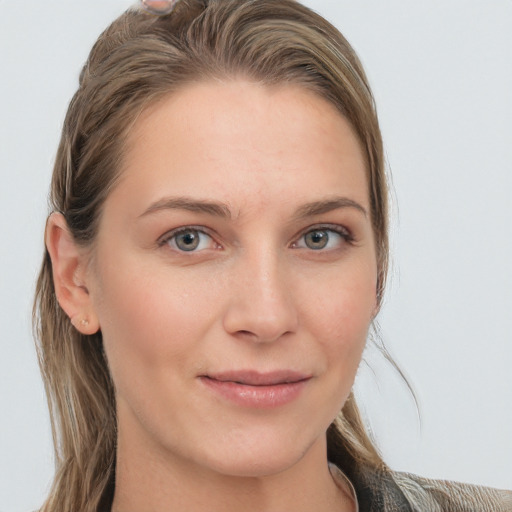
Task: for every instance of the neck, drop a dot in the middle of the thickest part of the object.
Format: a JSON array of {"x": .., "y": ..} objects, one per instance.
[{"x": 146, "y": 482}]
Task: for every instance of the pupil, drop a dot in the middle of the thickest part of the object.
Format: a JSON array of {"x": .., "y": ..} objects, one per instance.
[
  {"x": 188, "y": 241},
  {"x": 317, "y": 239}
]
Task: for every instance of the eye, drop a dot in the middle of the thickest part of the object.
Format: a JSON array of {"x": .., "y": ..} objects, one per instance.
[
  {"x": 323, "y": 238},
  {"x": 189, "y": 240}
]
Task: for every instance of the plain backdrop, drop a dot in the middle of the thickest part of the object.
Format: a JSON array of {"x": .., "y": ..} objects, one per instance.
[{"x": 441, "y": 72}]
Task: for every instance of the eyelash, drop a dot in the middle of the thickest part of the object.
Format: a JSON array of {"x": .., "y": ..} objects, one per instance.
[
  {"x": 343, "y": 232},
  {"x": 168, "y": 237}
]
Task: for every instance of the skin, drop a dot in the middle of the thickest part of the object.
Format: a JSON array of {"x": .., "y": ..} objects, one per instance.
[
  {"x": 253, "y": 295},
  {"x": 159, "y": 6}
]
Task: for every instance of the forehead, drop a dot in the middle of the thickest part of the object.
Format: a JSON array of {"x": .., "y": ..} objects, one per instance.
[{"x": 238, "y": 138}]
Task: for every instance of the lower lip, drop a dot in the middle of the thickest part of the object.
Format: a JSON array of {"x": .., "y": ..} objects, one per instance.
[{"x": 260, "y": 397}]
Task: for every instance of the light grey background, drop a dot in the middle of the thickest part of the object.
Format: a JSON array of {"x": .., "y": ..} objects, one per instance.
[{"x": 442, "y": 76}]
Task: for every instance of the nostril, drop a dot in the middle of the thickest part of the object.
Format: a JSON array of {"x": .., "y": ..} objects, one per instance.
[{"x": 245, "y": 334}]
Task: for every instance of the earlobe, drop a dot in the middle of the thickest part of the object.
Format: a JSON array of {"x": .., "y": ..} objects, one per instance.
[{"x": 69, "y": 277}]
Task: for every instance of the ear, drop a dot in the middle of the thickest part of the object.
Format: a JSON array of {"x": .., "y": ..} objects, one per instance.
[{"x": 69, "y": 265}]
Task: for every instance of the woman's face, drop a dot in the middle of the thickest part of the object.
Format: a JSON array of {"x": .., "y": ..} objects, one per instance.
[{"x": 234, "y": 276}]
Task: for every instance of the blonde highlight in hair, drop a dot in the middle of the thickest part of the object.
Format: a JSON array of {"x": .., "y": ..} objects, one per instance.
[{"x": 137, "y": 60}]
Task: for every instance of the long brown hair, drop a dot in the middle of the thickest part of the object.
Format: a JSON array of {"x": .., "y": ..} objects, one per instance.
[{"x": 136, "y": 61}]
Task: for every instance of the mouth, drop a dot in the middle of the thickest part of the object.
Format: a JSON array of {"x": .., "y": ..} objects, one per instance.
[
  {"x": 248, "y": 388},
  {"x": 255, "y": 378}
]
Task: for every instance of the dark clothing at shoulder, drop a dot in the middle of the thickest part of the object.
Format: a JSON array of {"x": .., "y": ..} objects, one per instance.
[{"x": 387, "y": 491}]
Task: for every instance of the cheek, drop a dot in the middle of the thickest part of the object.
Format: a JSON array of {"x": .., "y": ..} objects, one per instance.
[
  {"x": 150, "y": 319},
  {"x": 341, "y": 312}
]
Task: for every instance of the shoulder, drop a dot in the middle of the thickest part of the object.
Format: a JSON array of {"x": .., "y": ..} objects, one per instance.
[
  {"x": 383, "y": 490},
  {"x": 424, "y": 494}
]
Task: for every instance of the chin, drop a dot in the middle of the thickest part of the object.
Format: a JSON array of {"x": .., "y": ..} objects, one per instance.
[
  {"x": 253, "y": 467},
  {"x": 259, "y": 456}
]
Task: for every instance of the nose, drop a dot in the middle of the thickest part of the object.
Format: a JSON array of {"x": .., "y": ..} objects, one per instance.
[{"x": 262, "y": 304}]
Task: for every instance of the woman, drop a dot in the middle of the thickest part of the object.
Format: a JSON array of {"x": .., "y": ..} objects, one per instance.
[{"x": 215, "y": 259}]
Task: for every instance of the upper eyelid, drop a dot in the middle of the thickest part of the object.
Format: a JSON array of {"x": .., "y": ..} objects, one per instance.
[
  {"x": 176, "y": 231},
  {"x": 338, "y": 228}
]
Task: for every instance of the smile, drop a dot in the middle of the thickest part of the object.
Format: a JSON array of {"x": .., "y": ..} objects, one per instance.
[{"x": 257, "y": 390}]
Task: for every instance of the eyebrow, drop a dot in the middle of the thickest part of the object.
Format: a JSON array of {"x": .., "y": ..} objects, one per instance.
[
  {"x": 218, "y": 209},
  {"x": 328, "y": 205},
  {"x": 191, "y": 205}
]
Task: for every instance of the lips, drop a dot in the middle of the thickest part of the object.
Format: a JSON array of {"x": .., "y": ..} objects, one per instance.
[
  {"x": 248, "y": 388},
  {"x": 255, "y": 378}
]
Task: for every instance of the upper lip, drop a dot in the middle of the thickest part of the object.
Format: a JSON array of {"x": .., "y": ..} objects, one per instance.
[{"x": 256, "y": 378}]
